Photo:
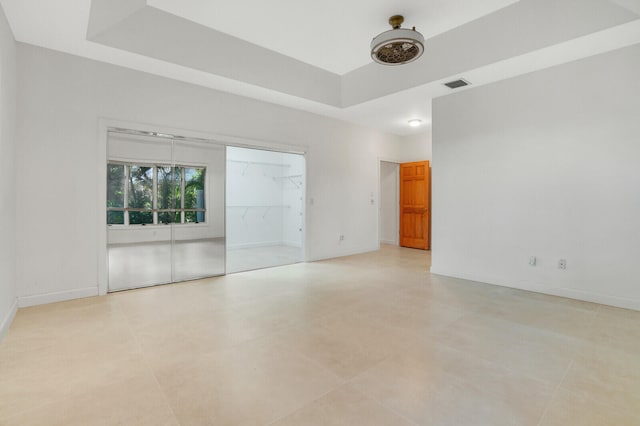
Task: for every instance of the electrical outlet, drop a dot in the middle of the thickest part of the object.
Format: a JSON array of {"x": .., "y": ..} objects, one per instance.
[
  {"x": 562, "y": 264},
  {"x": 532, "y": 261},
  {"x": 341, "y": 237}
]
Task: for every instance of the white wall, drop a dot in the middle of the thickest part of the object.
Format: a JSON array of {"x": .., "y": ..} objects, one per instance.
[
  {"x": 60, "y": 101},
  {"x": 389, "y": 202},
  {"x": 546, "y": 165},
  {"x": 7, "y": 175},
  {"x": 415, "y": 147}
]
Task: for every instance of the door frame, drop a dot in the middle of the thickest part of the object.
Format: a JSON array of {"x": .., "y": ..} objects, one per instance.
[
  {"x": 396, "y": 202},
  {"x": 104, "y": 124},
  {"x": 379, "y": 160}
]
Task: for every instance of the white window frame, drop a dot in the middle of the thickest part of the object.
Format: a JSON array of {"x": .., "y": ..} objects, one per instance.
[{"x": 154, "y": 196}]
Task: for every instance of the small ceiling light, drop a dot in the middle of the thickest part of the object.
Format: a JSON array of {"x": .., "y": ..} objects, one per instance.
[
  {"x": 397, "y": 46},
  {"x": 415, "y": 122}
]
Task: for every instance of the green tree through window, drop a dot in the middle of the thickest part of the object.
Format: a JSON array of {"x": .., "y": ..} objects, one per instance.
[
  {"x": 140, "y": 195},
  {"x": 194, "y": 194},
  {"x": 115, "y": 193},
  {"x": 155, "y": 194}
]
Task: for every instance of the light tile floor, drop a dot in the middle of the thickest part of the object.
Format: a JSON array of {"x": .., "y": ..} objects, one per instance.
[
  {"x": 371, "y": 339},
  {"x": 250, "y": 258}
]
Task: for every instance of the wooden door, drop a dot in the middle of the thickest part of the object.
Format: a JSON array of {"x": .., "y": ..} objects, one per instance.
[{"x": 415, "y": 209}]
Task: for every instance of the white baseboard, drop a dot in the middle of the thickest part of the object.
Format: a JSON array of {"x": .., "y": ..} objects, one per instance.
[
  {"x": 569, "y": 293},
  {"x": 390, "y": 242},
  {"x": 40, "y": 299},
  {"x": 8, "y": 319}
]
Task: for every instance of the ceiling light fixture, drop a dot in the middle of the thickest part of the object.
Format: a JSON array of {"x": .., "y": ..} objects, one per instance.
[
  {"x": 397, "y": 46},
  {"x": 415, "y": 122}
]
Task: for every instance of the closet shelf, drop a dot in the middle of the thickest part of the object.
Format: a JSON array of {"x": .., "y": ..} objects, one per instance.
[
  {"x": 290, "y": 179},
  {"x": 266, "y": 207},
  {"x": 257, "y": 163},
  {"x": 287, "y": 177},
  {"x": 261, "y": 206}
]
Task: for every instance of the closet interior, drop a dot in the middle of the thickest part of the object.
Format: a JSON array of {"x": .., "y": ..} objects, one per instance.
[{"x": 265, "y": 201}]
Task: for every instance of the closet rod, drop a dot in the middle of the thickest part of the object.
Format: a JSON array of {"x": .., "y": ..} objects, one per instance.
[
  {"x": 287, "y": 177},
  {"x": 261, "y": 207},
  {"x": 267, "y": 209},
  {"x": 259, "y": 163}
]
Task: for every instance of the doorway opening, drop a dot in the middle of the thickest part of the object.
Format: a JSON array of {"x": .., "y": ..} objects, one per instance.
[
  {"x": 405, "y": 204},
  {"x": 265, "y": 208},
  {"x": 389, "y": 212}
]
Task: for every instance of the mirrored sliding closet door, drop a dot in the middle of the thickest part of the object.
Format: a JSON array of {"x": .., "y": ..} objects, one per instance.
[{"x": 165, "y": 210}]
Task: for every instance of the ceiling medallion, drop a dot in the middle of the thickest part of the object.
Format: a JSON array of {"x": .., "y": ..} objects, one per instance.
[{"x": 397, "y": 46}]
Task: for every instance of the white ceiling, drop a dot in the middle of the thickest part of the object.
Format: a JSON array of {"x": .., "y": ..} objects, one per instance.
[
  {"x": 331, "y": 34},
  {"x": 334, "y": 36}
]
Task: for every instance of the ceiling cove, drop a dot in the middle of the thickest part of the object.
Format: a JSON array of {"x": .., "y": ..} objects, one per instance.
[{"x": 316, "y": 57}]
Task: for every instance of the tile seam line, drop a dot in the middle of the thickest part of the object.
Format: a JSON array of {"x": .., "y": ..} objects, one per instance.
[
  {"x": 392, "y": 410},
  {"x": 303, "y": 406},
  {"x": 555, "y": 393},
  {"x": 146, "y": 363}
]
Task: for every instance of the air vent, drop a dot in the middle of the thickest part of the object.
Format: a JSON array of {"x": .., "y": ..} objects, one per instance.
[{"x": 457, "y": 83}]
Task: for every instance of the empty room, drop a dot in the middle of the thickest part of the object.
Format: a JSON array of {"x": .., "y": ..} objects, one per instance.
[{"x": 319, "y": 213}]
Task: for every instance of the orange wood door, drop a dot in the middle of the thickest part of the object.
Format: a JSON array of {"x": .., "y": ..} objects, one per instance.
[{"x": 415, "y": 209}]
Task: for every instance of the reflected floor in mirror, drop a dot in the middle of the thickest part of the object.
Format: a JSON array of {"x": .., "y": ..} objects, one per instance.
[
  {"x": 144, "y": 264},
  {"x": 250, "y": 258}
]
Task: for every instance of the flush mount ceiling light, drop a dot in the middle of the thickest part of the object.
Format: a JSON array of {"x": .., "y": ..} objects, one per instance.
[
  {"x": 397, "y": 46},
  {"x": 415, "y": 122}
]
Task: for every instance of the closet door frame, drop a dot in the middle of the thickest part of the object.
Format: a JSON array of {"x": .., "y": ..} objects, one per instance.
[{"x": 105, "y": 125}]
